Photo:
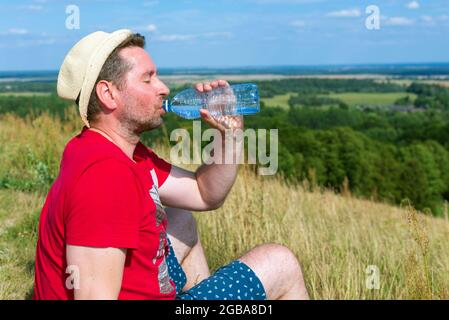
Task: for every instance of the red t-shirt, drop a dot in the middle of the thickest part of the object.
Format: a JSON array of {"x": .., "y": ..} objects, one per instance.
[{"x": 102, "y": 198}]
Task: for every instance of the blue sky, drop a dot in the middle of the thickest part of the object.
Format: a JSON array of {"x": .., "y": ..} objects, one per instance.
[{"x": 232, "y": 33}]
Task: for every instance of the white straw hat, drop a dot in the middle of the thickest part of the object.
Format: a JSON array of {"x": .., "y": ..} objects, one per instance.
[{"x": 83, "y": 64}]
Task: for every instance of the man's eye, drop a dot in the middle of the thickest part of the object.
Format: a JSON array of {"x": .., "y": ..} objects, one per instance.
[{"x": 146, "y": 81}]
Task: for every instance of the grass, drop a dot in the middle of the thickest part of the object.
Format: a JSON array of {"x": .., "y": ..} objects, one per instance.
[
  {"x": 407, "y": 82},
  {"x": 18, "y": 228},
  {"x": 278, "y": 100},
  {"x": 24, "y": 94},
  {"x": 362, "y": 98},
  {"x": 335, "y": 237},
  {"x": 350, "y": 98}
]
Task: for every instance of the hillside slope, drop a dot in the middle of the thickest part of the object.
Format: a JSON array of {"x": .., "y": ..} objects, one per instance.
[{"x": 337, "y": 238}]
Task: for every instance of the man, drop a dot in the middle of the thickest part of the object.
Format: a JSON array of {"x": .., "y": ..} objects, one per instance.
[{"x": 103, "y": 229}]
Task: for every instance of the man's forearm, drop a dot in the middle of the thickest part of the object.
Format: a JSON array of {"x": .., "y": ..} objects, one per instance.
[{"x": 215, "y": 180}]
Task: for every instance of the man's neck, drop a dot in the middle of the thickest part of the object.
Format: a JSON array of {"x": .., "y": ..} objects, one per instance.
[{"x": 125, "y": 141}]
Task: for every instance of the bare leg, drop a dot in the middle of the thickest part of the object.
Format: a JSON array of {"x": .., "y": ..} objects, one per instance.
[
  {"x": 275, "y": 265},
  {"x": 279, "y": 270},
  {"x": 183, "y": 235}
]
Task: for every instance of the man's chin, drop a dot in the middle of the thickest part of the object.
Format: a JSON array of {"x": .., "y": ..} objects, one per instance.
[{"x": 150, "y": 125}]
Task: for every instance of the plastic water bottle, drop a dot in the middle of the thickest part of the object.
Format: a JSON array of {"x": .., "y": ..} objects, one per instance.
[{"x": 239, "y": 99}]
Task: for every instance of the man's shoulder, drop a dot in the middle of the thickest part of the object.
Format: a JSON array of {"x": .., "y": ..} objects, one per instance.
[
  {"x": 90, "y": 143},
  {"x": 108, "y": 171},
  {"x": 85, "y": 152}
]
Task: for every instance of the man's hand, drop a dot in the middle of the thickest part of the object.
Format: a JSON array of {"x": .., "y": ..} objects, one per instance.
[
  {"x": 222, "y": 122},
  {"x": 208, "y": 187}
]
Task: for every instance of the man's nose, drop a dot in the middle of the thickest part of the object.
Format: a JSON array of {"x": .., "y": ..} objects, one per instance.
[{"x": 165, "y": 91}]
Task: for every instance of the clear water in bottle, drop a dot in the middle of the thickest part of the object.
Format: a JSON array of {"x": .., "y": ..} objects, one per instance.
[{"x": 239, "y": 99}]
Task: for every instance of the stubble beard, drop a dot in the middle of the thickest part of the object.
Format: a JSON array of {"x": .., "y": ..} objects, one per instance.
[{"x": 139, "y": 122}]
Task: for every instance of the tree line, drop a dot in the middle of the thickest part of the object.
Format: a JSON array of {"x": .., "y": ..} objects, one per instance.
[{"x": 381, "y": 154}]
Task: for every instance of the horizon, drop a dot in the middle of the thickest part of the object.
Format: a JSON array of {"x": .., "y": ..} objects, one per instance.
[
  {"x": 37, "y": 34},
  {"x": 268, "y": 67}
]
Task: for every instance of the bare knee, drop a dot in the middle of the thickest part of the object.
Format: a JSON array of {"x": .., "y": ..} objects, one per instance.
[
  {"x": 280, "y": 253},
  {"x": 277, "y": 267},
  {"x": 275, "y": 257}
]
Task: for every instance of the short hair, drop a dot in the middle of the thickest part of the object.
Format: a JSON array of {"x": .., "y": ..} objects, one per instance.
[{"x": 114, "y": 70}]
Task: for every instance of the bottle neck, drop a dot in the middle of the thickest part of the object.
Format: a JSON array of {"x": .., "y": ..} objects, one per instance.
[{"x": 166, "y": 105}]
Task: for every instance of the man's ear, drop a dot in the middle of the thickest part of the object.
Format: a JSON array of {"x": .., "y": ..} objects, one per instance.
[{"x": 107, "y": 94}]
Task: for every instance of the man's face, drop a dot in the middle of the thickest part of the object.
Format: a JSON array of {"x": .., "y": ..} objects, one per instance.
[{"x": 143, "y": 93}]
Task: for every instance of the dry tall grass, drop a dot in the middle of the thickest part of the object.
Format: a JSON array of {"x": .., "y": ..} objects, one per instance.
[{"x": 335, "y": 237}]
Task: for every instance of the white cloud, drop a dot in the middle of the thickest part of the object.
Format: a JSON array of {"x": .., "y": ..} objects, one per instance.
[
  {"x": 286, "y": 1},
  {"x": 175, "y": 37},
  {"x": 151, "y": 28},
  {"x": 298, "y": 23},
  {"x": 158, "y": 36},
  {"x": 17, "y": 31},
  {"x": 413, "y": 5},
  {"x": 187, "y": 37},
  {"x": 28, "y": 42},
  {"x": 35, "y": 42},
  {"x": 347, "y": 13},
  {"x": 226, "y": 35},
  {"x": 399, "y": 21},
  {"x": 381, "y": 43},
  {"x": 32, "y": 7},
  {"x": 428, "y": 21},
  {"x": 148, "y": 28}
]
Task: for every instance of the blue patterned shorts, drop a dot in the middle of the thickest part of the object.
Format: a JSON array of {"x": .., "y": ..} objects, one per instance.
[{"x": 235, "y": 281}]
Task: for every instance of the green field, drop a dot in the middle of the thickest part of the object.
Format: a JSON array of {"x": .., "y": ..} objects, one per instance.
[
  {"x": 363, "y": 98},
  {"x": 24, "y": 94},
  {"x": 350, "y": 98},
  {"x": 278, "y": 101},
  {"x": 407, "y": 82}
]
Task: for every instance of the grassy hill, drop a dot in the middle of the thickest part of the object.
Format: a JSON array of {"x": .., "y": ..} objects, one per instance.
[{"x": 336, "y": 237}]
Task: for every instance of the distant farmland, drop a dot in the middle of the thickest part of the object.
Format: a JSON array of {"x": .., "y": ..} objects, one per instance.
[
  {"x": 363, "y": 98},
  {"x": 350, "y": 98}
]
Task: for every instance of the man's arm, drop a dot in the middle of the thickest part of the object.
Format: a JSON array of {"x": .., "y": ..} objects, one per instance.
[
  {"x": 207, "y": 188},
  {"x": 100, "y": 271}
]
